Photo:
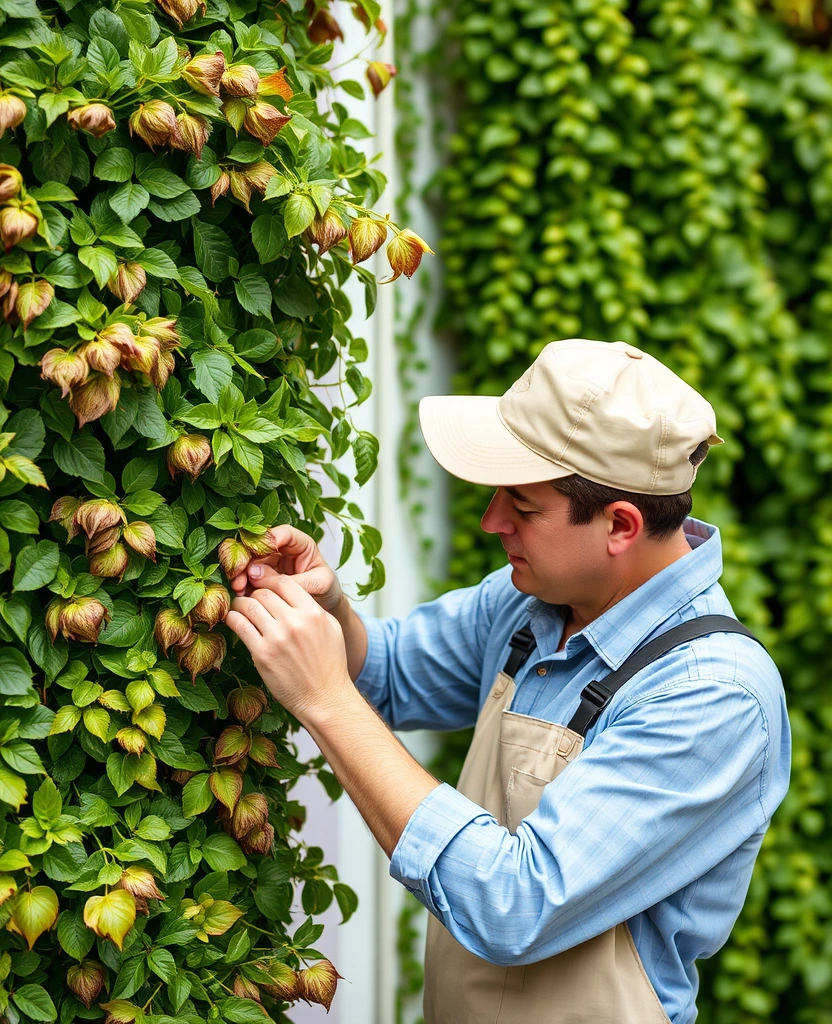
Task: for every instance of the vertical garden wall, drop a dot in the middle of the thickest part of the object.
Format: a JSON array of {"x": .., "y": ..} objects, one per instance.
[
  {"x": 181, "y": 203},
  {"x": 660, "y": 172}
]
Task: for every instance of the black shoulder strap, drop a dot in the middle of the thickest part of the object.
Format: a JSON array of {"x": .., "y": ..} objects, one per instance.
[
  {"x": 522, "y": 643},
  {"x": 597, "y": 695}
]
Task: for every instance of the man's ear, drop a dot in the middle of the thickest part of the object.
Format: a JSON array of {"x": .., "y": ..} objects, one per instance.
[{"x": 625, "y": 524}]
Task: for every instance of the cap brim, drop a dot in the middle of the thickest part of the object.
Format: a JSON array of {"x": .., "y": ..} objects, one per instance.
[{"x": 467, "y": 438}]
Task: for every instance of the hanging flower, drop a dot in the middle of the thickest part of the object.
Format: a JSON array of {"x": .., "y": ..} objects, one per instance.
[
  {"x": 264, "y": 121},
  {"x": 379, "y": 75},
  {"x": 12, "y": 111},
  {"x": 203, "y": 73},
  {"x": 405, "y": 254},
  {"x": 155, "y": 123},
  {"x": 95, "y": 119}
]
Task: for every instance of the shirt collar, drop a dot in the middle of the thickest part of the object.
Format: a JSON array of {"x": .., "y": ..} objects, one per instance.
[{"x": 624, "y": 627}]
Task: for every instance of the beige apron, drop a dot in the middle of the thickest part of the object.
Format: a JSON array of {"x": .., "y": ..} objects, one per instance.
[{"x": 601, "y": 981}]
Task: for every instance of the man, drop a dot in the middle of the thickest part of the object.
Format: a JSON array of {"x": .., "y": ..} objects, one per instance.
[{"x": 600, "y": 841}]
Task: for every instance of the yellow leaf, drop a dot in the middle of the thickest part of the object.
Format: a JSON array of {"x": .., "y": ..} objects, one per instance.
[
  {"x": 152, "y": 719},
  {"x": 34, "y": 912},
  {"x": 111, "y": 916},
  {"x": 97, "y": 721}
]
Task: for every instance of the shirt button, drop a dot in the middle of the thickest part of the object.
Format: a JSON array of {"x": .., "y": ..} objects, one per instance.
[{"x": 541, "y": 671}]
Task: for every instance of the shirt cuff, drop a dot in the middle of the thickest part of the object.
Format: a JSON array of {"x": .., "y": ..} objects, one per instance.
[
  {"x": 372, "y": 678},
  {"x": 436, "y": 821}
]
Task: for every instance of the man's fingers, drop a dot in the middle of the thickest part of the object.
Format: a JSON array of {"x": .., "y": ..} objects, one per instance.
[
  {"x": 254, "y": 611},
  {"x": 287, "y": 588},
  {"x": 244, "y": 628},
  {"x": 274, "y": 605}
]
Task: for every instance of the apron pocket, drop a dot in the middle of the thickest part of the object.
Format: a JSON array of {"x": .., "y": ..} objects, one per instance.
[{"x": 523, "y": 794}]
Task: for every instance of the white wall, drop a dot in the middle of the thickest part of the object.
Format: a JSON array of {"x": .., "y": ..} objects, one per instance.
[{"x": 364, "y": 949}]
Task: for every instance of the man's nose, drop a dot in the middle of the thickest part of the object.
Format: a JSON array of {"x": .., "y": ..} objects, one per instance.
[{"x": 495, "y": 518}]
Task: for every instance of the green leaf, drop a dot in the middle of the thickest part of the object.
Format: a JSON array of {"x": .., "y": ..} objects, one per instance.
[
  {"x": 75, "y": 938},
  {"x": 365, "y": 451},
  {"x": 22, "y": 757},
  {"x": 36, "y": 565},
  {"x": 157, "y": 263},
  {"x": 83, "y": 456},
  {"x": 294, "y": 296},
  {"x": 123, "y": 770},
  {"x": 269, "y": 237},
  {"x": 139, "y": 474},
  {"x": 47, "y": 804},
  {"x": 35, "y": 1002},
  {"x": 253, "y": 291},
  {"x": 15, "y": 671},
  {"x": 298, "y": 214},
  {"x": 196, "y": 796},
  {"x": 15, "y": 612},
  {"x": 213, "y": 373},
  {"x": 162, "y": 183},
  {"x": 125, "y": 627},
  {"x": 214, "y": 251},
  {"x": 242, "y": 1011},
  {"x": 19, "y": 517},
  {"x": 12, "y": 788},
  {"x": 162, "y": 964},
  {"x": 143, "y": 502},
  {"x": 52, "y": 192},
  {"x": 249, "y": 455},
  {"x": 222, "y": 853},
  {"x": 101, "y": 261},
  {"x": 65, "y": 720},
  {"x": 128, "y": 201},
  {"x": 114, "y": 165}
]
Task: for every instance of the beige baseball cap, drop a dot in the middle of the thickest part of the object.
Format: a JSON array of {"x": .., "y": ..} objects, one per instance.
[{"x": 604, "y": 410}]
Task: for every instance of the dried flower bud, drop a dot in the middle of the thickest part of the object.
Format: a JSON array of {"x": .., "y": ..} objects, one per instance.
[
  {"x": 258, "y": 840},
  {"x": 132, "y": 739},
  {"x": 155, "y": 123},
  {"x": 32, "y": 299},
  {"x": 264, "y": 121},
  {"x": 16, "y": 224},
  {"x": 99, "y": 514},
  {"x": 190, "y": 454},
  {"x": 275, "y": 85},
  {"x": 66, "y": 369},
  {"x": 220, "y": 187},
  {"x": 86, "y": 980},
  {"x": 245, "y": 180},
  {"x": 317, "y": 983},
  {"x": 79, "y": 618},
  {"x": 251, "y": 812},
  {"x": 6, "y": 281},
  {"x": 284, "y": 981},
  {"x": 141, "y": 538},
  {"x": 12, "y": 111},
  {"x": 63, "y": 512},
  {"x": 200, "y": 652},
  {"x": 259, "y": 545},
  {"x": 326, "y": 231},
  {"x": 247, "y": 704},
  {"x": 192, "y": 133},
  {"x": 213, "y": 607},
  {"x": 95, "y": 119},
  {"x": 102, "y": 541},
  {"x": 405, "y": 254},
  {"x": 240, "y": 80},
  {"x": 379, "y": 25},
  {"x": 140, "y": 882},
  {"x": 8, "y": 302},
  {"x": 323, "y": 28},
  {"x": 142, "y": 356},
  {"x": 367, "y": 236},
  {"x": 245, "y": 989},
  {"x": 379, "y": 75},
  {"x": 231, "y": 746},
  {"x": 111, "y": 562},
  {"x": 233, "y": 556},
  {"x": 11, "y": 181},
  {"x": 171, "y": 628},
  {"x": 180, "y": 11},
  {"x": 101, "y": 354},
  {"x": 263, "y": 751},
  {"x": 203, "y": 73},
  {"x": 162, "y": 329},
  {"x": 164, "y": 368},
  {"x": 129, "y": 282}
]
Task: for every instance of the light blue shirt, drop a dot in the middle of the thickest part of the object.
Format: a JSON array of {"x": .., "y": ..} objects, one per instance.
[{"x": 658, "y": 821}]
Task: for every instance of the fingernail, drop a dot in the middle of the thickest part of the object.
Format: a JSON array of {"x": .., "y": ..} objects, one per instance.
[{"x": 255, "y": 572}]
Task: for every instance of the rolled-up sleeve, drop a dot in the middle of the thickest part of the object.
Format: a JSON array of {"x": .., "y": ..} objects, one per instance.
[{"x": 676, "y": 783}]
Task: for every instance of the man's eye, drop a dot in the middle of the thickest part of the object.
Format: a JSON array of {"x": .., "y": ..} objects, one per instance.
[{"x": 520, "y": 511}]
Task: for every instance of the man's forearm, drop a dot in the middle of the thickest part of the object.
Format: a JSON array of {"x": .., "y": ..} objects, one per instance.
[
  {"x": 384, "y": 782},
  {"x": 355, "y": 636}
]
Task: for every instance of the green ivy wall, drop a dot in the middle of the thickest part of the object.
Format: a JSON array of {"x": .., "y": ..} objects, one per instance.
[{"x": 660, "y": 172}]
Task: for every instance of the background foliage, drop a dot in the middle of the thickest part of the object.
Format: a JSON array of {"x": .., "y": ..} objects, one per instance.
[
  {"x": 660, "y": 172},
  {"x": 177, "y": 210}
]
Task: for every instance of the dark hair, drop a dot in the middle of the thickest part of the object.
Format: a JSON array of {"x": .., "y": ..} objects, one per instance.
[{"x": 663, "y": 513}]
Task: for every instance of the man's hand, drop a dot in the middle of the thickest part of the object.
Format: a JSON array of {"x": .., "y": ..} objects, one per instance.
[
  {"x": 297, "y": 647},
  {"x": 297, "y": 556}
]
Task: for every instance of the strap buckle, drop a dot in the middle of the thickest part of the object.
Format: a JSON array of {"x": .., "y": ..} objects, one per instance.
[
  {"x": 597, "y": 694},
  {"x": 523, "y": 640}
]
